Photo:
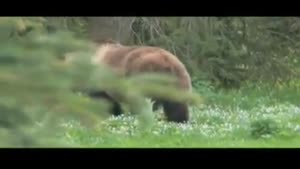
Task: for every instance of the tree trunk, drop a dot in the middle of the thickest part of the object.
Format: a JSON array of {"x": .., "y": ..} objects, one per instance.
[{"x": 116, "y": 28}]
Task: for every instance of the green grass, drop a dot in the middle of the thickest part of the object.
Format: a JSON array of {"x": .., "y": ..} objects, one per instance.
[{"x": 254, "y": 116}]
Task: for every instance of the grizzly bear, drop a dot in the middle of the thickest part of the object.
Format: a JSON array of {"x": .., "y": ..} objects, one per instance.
[{"x": 130, "y": 60}]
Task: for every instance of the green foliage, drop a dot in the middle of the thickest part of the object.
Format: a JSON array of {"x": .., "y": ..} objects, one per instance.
[
  {"x": 214, "y": 124},
  {"x": 77, "y": 25},
  {"x": 264, "y": 128},
  {"x": 37, "y": 84},
  {"x": 38, "y": 103},
  {"x": 228, "y": 50}
]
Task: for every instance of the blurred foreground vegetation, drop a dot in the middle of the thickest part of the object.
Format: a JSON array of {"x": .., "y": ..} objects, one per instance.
[
  {"x": 38, "y": 86},
  {"x": 257, "y": 58}
]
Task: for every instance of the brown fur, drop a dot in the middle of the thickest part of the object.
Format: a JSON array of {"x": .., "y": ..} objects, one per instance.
[{"x": 130, "y": 60}]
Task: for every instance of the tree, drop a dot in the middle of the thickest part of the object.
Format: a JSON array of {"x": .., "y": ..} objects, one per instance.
[{"x": 117, "y": 28}]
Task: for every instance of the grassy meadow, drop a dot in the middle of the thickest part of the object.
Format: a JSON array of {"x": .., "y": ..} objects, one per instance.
[{"x": 255, "y": 116}]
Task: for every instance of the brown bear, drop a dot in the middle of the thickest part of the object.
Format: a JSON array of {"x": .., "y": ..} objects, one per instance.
[{"x": 130, "y": 60}]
